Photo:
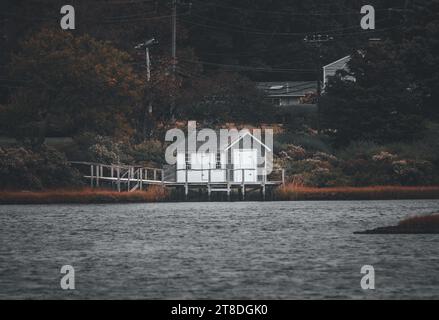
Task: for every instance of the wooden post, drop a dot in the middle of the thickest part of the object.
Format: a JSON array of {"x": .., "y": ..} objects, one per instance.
[
  {"x": 91, "y": 176},
  {"x": 155, "y": 174},
  {"x": 228, "y": 184},
  {"x": 118, "y": 179},
  {"x": 208, "y": 183},
  {"x": 140, "y": 178},
  {"x": 242, "y": 184},
  {"x": 111, "y": 176},
  {"x": 129, "y": 178},
  {"x": 264, "y": 180},
  {"x": 97, "y": 175},
  {"x": 283, "y": 177},
  {"x": 186, "y": 186},
  {"x": 163, "y": 176}
]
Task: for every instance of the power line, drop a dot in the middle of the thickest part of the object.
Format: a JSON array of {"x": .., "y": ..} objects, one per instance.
[
  {"x": 108, "y": 20},
  {"x": 249, "y": 68},
  {"x": 250, "y": 31},
  {"x": 366, "y": 32},
  {"x": 141, "y": 19},
  {"x": 126, "y": 2},
  {"x": 132, "y": 16},
  {"x": 283, "y": 13}
]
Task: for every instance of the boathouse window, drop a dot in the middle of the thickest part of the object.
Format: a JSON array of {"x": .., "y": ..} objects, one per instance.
[
  {"x": 187, "y": 161},
  {"x": 218, "y": 160}
]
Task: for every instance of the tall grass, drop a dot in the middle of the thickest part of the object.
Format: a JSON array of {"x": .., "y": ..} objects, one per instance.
[
  {"x": 429, "y": 221},
  {"x": 87, "y": 196},
  {"x": 295, "y": 192},
  {"x": 158, "y": 193}
]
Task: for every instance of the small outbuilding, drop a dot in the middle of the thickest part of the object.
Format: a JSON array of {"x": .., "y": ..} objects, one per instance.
[{"x": 240, "y": 159}]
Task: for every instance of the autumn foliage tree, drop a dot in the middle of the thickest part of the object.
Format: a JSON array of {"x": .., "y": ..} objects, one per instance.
[
  {"x": 380, "y": 105},
  {"x": 70, "y": 84}
]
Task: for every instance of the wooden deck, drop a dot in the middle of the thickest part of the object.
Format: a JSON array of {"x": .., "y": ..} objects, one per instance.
[{"x": 132, "y": 178}]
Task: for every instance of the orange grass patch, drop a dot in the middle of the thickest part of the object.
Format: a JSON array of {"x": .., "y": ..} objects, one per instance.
[
  {"x": 152, "y": 194},
  {"x": 294, "y": 192},
  {"x": 420, "y": 221}
]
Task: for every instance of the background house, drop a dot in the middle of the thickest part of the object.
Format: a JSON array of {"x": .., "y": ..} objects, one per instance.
[
  {"x": 331, "y": 69},
  {"x": 289, "y": 93},
  {"x": 294, "y": 93}
]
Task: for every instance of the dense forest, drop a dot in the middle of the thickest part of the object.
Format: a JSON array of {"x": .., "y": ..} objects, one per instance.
[{"x": 90, "y": 84}]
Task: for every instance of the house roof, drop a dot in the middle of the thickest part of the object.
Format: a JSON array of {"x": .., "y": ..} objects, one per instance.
[
  {"x": 288, "y": 88},
  {"x": 331, "y": 69},
  {"x": 242, "y": 137},
  {"x": 222, "y": 145},
  {"x": 338, "y": 64}
]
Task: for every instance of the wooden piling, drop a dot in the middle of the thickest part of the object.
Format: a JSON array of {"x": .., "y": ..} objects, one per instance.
[
  {"x": 129, "y": 179},
  {"x": 91, "y": 176},
  {"x": 140, "y": 178},
  {"x": 118, "y": 179}
]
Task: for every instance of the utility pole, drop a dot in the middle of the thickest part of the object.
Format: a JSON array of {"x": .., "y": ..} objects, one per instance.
[
  {"x": 147, "y": 44},
  {"x": 174, "y": 55},
  {"x": 148, "y": 65},
  {"x": 317, "y": 41},
  {"x": 174, "y": 35}
]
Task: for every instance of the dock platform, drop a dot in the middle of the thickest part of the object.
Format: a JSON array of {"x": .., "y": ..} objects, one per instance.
[{"x": 132, "y": 178}]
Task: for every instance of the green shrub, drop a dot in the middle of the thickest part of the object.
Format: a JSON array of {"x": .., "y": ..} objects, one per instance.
[
  {"x": 149, "y": 152},
  {"x": 101, "y": 149},
  {"x": 306, "y": 141},
  {"x": 358, "y": 149},
  {"x": 35, "y": 169}
]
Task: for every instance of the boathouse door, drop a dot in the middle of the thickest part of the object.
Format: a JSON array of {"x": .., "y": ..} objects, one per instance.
[
  {"x": 206, "y": 160},
  {"x": 245, "y": 162},
  {"x": 201, "y": 163}
]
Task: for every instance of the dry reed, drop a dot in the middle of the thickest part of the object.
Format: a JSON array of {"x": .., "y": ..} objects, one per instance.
[
  {"x": 295, "y": 192},
  {"x": 152, "y": 194}
]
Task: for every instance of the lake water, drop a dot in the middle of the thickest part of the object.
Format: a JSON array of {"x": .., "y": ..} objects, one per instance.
[{"x": 254, "y": 250}]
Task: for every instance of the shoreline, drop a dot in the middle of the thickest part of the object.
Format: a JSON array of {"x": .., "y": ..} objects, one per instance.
[
  {"x": 159, "y": 194},
  {"x": 82, "y": 196},
  {"x": 290, "y": 192}
]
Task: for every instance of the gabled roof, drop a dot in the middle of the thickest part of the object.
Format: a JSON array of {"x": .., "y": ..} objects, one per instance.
[
  {"x": 223, "y": 145},
  {"x": 242, "y": 137},
  {"x": 340, "y": 63},
  {"x": 288, "y": 88},
  {"x": 331, "y": 69}
]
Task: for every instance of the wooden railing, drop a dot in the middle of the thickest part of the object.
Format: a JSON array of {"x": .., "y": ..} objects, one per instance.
[
  {"x": 277, "y": 175},
  {"x": 133, "y": 176}
]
